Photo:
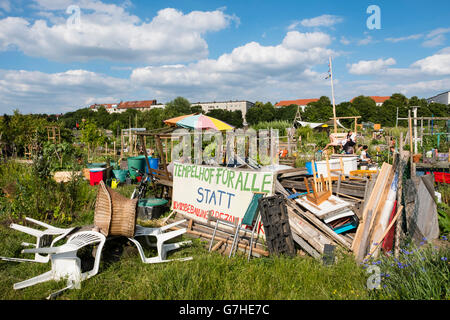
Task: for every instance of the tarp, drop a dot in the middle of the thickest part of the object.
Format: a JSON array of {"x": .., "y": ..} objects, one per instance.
[{"x": 310, "y": 124}]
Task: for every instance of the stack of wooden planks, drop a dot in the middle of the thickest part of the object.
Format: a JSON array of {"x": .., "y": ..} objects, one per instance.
[
  {"x": 380, "y": 209},
  {"x": 223, "y": 238}
]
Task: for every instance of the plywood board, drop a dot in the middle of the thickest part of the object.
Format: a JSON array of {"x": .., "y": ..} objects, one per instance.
[{"x": 336, "y": 204}]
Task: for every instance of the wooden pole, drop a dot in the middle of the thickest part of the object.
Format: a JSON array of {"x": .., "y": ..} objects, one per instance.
[
  {"x": 413, "y": 167},
  {"x": 332, "y": 95}
]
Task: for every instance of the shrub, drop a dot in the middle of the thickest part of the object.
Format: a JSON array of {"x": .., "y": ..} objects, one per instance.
[{"x": 29, "y": 191}]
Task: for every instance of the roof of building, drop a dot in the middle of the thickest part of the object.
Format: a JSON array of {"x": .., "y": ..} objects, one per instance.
[
  {"x": 377, "y": 99},
  {"x": 136, "y": 104},
  {"x": 298, "y": 102},
  {"x": 438, "y": 95}
]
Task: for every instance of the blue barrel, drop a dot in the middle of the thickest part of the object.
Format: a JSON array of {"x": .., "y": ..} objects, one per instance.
[
  {"x": 154, "y": 163},
  {"x": 308, "y": 166}
]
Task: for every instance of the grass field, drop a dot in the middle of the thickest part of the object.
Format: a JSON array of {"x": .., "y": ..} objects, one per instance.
[{"x": 419, "y": 273}]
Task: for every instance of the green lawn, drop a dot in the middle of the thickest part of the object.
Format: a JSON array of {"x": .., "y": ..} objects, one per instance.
[{"x": 207, "y": 276}]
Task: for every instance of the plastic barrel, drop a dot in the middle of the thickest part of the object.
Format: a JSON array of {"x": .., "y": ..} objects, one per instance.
[
  {"x": 96, "y": 165},
  {"x": 120, "y": 175},
  {"x": 136, "y": 162},
  {"x": 95, "y": 176},
  {"x": 308, "y": 166},
  {"x": 154, "y": 163}
]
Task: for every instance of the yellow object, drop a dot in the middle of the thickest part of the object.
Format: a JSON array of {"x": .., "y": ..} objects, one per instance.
[
  {"x": 114, "y": 184},
  {"x": 377, "y": 126},
  {"x": 363, "y": 173}
]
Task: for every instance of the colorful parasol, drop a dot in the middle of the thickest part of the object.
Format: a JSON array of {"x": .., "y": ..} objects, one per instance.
[{"x": 199, "y": 121}]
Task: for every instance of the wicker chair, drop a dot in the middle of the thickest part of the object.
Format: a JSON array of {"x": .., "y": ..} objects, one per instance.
[{"x": 115, "y": 215}]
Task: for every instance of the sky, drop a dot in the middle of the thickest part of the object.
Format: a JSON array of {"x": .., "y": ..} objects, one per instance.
[{"x": 61, "y": 55}]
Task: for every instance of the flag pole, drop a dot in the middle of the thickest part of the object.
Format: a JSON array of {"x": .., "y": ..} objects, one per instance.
[{"x": 332, "y": 95}]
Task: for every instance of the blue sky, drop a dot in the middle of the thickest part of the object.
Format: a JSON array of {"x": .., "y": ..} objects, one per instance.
[{"x": 216, "y": 50}]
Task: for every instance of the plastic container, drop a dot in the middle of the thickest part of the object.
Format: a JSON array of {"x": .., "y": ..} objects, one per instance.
[
  {"x": 96, "y": 165},
  {"x": 120, "y": 175},
  {"x": 308, "y": 166},
  {"x": 95, "y": 176},
  {"x": 136, "y": 162},
  {"x": 350, "y": 164},
  {"x": 154, "y": 163},
  {"x": 151, "y": 208}
]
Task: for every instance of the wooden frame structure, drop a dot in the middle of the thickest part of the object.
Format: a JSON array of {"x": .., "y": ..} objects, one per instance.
[
  {"x": 355, "y": 118},
  {"x": 160, "y": 176}
]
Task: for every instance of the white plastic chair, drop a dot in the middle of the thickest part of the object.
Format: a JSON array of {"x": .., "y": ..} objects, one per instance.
[
  {"x": 54, "y": 233},
  {"x": 64, "y": 261},
  {"x": 161, "y": 238}
]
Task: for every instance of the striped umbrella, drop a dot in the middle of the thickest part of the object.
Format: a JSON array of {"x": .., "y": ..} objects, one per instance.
[{"x": 199, "y": 121}]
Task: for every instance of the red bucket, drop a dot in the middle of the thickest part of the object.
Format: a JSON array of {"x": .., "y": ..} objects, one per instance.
[{"x": 95, "y": 176}]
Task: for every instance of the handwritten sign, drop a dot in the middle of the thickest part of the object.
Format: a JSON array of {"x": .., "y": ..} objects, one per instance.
[{"x": 225, "y": 192}]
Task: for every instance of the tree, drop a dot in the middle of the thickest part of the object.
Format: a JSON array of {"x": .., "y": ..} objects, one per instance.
[
  {"x": 318, "y": 111},
  {"x": 91, "y": 135},
  {"x": 260, "y": 112},
  {"x": 233, "y": 118},
  {"x": 197, "y": 109},
  {"x": 387, "y": 113},
  {"x": 366, "y": 108},
  {"x": 178, "y": 107},
  {"x": 286, "y": 113}
]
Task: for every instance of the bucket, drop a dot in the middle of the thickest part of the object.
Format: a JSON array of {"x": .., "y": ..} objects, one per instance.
[
  {"x": 151, "y": 208},
  {"x": 95, "y": 176},
  {"x": 154, "y": 163},
  {"x": 136, "y": 162},
  {"x": 350, "y": 164},
  {"x": 120, "y": 175}
]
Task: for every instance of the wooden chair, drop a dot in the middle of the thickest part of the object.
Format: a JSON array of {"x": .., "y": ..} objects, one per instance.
[{"x": 317, "y": 197}]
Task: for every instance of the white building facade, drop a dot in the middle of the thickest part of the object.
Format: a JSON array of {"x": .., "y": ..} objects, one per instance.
[{"x": 241, "y": 105}]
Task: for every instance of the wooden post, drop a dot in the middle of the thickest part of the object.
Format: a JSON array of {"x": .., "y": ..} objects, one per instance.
[
  {"x": 332, "y": 94},
  {"x": 121, "y": 144},
  {"x": 160, "y": 151},
  {"x": 413, "y": 166}
]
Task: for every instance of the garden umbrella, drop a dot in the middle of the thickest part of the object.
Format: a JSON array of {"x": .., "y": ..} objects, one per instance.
[
  {"x": 199, "y": 121},
  {"x": 173, "y": 121}
]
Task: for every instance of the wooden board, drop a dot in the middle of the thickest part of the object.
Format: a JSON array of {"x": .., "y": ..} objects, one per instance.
[
  {"x": 325, "y": 207},
  {"x": 358, "y": 245},
  {"x": 311, "y": 218}
]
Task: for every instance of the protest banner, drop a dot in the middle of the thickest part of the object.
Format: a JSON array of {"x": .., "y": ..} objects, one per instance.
[{"x": 225, "y": 192}]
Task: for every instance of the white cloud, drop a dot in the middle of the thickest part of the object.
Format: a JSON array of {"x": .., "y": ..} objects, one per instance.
[
  {"x": 326, "y": 20},
  {"x": 365, "y": 41},
  {"x": 245, "y": 65},
  {"x": 5, "y": 5},
  {"x": 35, "y": 92},
  {"x": 437, "y": 64},
  {"x": 399, "y": 39},
  {"x": 110, "y": 32},
  {"x": 370, "y": 66},
  {"x": 424, "y": 87},
  {"x": 344, "y": 41},
  {"x": 251, "y": 71},
  {"x": 436, "y": 37}
]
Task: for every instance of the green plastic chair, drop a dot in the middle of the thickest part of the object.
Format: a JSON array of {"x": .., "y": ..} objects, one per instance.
[{"x": 250, "y": 218}]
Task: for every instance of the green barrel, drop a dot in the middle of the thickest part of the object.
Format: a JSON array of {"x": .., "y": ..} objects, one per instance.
[
  {"x": 96, "y": 165},
  {"x": 136, "y": 162},
  {"x": 120, "y": 175}
]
